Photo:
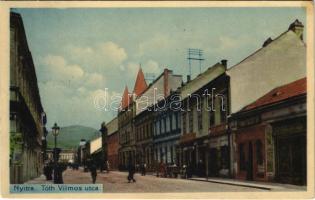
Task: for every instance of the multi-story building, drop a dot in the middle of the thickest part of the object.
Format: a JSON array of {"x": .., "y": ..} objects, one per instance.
[
  {"x": 112, "y": 143},
  {"x": 126, "y": 114},
  {"x": 270, "y": 136},
  {"x": 167, "y": 128},
  {"x": 159, "y": 89},
  {"x": 278, "y": 62},
  {"x": 26, "y": 129},
  {"x": 144, "y": 133},
  {"x": 65, "y": 155},
  {"x": 204, "y": 142}
]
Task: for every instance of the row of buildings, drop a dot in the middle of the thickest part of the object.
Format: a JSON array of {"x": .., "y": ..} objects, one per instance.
[{"x": 247, "y": 121}]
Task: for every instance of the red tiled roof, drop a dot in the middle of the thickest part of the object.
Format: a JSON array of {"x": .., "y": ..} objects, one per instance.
[
  {"x": 287, "y": 91},
  {"x": 126, "y": 99},
  {"x": 140, "y": 84}
]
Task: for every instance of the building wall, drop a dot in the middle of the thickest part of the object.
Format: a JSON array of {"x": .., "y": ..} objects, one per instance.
[
  {"x": 95, "y": 144},
  {"x": 280, "y": 62},
  {"x": 112, "y": 126},
  {"x": 26, "y": 130},
  {"x": 113, "y": 146}
]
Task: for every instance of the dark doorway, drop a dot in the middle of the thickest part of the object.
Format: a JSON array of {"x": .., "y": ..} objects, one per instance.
[
  {"x": 250, "y": 162},
  {"x": 213, "y": 168}
]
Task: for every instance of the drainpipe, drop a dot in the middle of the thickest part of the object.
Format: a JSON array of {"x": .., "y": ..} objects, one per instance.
[{"x": 229, "y": 150}]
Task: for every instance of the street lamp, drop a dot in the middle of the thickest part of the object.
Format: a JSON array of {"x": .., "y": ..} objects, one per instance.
[{"x": 55, "y": 132}]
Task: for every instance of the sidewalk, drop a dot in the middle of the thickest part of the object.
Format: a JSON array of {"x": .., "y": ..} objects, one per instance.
[
  {"x": 253, "y": 184},
  {"x": 39, "y": 180},
  {"x": 250, "y": 184}
]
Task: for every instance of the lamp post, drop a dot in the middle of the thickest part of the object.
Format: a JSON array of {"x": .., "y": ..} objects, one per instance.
[{"x": 55, "y": 132}]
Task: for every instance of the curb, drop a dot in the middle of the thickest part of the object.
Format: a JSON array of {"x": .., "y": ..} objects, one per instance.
[{"x": 235, "y": 184}]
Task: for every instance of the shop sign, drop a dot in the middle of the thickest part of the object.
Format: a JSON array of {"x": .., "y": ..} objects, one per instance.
[
  {"x": 290, "y": 128},
  {"x": 217, "y": 130},
  {"x": 187, "y": 137},
  {"x": 248, "y": 121}
]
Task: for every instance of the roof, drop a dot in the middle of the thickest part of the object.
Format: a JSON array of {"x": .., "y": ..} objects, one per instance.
[
  {"x": 140, "y": 84},
  {"x": 126, "y": 98},
  {"x": 281, "y": 93},
  {"x": 280, "y": 62},
  {"x": 202, "y": 79}
]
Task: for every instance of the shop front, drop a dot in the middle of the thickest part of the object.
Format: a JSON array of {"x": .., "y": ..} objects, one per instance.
[
  {"x": 290, "y": 149},
  {"x": 250, "y": 153},
  {"x": 218, "y": 151},
  {"x": 218, "y": 156}
]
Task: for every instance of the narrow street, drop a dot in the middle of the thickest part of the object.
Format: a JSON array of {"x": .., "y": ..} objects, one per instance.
[{"x": 117, "y": 182}]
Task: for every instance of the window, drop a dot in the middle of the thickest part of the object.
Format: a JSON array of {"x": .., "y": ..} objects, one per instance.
[
  {"x": 259, "y": 155},
  {"x": 184, "y": 123},
  {"x": 211, "y": 112},
  {"x": 224, "y": 157},
  {"x": 191, "y": 121},
  {"x": 223, "y": 107},
  {"x": 162, "y": 126},
  {"x": 167, "y": 155},
  {"x": 168, "y": 121},
  {"x": 242, "y": 157},
  {"x": 13, "y": 123},
  {"x": 158, "y": 128},
  {"x": 172, "y": 156},
  {"x": 199, "y": 113},
  {"x": 161, "y": 154},
  {"x": 154, "y": 128}
]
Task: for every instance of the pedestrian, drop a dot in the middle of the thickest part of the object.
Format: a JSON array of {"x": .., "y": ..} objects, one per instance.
[
  {"x": 143, "y": 169},
  {"x": 131, "y": 172},
  {"x": 93, "y": 172},
  {"x": 107, "y": 166},
  {"x": 58, "y": 173}
]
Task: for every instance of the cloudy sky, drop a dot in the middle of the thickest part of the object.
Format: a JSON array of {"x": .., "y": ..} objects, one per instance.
[{"x": 80, "y": 52}]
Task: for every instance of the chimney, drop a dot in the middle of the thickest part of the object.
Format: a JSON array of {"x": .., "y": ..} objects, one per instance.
[
  {"x": 188, "y": 78},
  {"x": 297, "y": 27},
  {"x": 268, "y": 41},
  {"x": 224, "y": 63}
]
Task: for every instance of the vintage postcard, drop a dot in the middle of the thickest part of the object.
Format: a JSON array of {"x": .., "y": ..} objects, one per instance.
[{"x": 157, "y": 100}]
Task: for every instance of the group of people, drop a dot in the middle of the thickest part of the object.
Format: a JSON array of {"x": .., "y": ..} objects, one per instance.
[{"x": 54, "y": 171}]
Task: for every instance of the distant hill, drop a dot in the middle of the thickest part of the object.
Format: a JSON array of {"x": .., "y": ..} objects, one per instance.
[{"x": 70, "y": 136}]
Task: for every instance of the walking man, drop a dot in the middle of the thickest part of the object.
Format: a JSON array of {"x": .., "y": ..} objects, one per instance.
[
  {"x": 131, "y": 171},
  {"x": 93, "y": 172}
]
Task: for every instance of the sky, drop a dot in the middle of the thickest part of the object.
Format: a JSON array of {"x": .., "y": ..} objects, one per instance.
[{"x": 79, "y": 52}]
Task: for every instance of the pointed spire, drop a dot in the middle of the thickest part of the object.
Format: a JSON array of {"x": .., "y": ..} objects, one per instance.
[
  {"x": 126, "y": 99},
  {"x": 140, "y": 84}
]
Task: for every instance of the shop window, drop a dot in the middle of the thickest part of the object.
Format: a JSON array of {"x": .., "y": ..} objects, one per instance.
[
  {"x": 224, "y": 157},
  {"x": 242, "y": 157},
  {"x": 259, "y": 155}
]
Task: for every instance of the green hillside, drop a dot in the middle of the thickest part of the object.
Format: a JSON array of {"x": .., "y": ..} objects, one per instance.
[{"x": 70, "y": 136}]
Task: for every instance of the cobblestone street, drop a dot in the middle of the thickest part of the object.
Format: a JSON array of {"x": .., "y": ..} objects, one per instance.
[{"x": 117, "y": 182}]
